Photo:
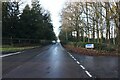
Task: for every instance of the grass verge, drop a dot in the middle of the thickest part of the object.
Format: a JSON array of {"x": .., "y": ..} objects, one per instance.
[{"x": 7, "y": 48}]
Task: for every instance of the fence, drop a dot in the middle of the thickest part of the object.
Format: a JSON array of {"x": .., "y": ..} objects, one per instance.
[{"x": 24, "y": 42}]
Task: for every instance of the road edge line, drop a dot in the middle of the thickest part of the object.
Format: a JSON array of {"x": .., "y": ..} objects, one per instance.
[{"x": 10, "y": 54}]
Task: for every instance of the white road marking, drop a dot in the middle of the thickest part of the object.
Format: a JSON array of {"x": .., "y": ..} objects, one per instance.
[
  {"x": 88, "y": 74},
  {"x": 74, "y": 59},
  {"x": 78, "y": 62},
  {"x": 10, "y": 54},
  {"x": 82, "y": 67},
  {"x": 68, "y": 52},
  {"x": 72, "y": 56}
]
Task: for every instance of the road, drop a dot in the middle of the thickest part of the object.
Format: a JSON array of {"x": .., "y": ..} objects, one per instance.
[{"x": 54, "y": 61}]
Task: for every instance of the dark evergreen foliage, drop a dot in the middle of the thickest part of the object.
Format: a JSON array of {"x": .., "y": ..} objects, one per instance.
[{"x": 33, "y": 23}]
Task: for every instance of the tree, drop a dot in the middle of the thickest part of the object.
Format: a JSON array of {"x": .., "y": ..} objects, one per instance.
[
  {"x": 96, "y": 21},
  {"x": 35, "y": 23},
  {"x": 42, "y": 22},
  {"x": 26, "y": 29},
  {"x": 32, "y": 23},
  {"x": 10, "y": 17}
]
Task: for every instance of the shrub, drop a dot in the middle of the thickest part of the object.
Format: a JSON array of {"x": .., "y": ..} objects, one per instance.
[{"x": 97, "y": 46}]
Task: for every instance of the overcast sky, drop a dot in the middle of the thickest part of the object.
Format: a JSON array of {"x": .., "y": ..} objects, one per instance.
[{"x": 54, "y": 6}]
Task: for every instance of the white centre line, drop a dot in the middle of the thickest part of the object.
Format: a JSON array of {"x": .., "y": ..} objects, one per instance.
[
  {"x": 10, "y": 54},
  {"x": 88, "y": 74}
]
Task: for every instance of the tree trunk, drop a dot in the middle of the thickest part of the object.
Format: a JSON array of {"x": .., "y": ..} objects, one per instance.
[
  {"x": 118, "y": 40},
  {"x": 108, "y": 24},
  {"x": 93, "y": 30}
]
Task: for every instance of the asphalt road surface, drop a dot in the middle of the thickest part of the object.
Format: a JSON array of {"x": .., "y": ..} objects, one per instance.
[{"x": 54, "y": 61}]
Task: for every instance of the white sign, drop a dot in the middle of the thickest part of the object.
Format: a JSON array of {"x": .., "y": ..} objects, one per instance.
[{"x": 89, "y": 46}]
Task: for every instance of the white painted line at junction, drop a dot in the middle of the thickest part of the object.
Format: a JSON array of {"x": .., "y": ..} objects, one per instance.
[
  {"x": 72, "y": 57},
  {"x": 82, "y": 67},
  {"x": 68, "y": 52},
  {"x": 78, "y": 62},
  {"x": 10, "y": 54},
  {"x": 88, "y": 74},
  {"x": 75, "y": 59}
]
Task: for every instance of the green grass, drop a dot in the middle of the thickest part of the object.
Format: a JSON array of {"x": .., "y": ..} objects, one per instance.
[{"x": 13, "y": 49}]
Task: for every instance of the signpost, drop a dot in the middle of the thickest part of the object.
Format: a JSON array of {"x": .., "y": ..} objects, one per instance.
[{"x": 89, "y": 46}]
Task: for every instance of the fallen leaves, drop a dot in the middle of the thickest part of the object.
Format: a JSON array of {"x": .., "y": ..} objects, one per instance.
[{"x": 91, "y": 52}]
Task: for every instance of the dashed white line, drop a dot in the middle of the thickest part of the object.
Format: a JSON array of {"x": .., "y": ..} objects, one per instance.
[
  {"x": 82, "y": 67},
  {"x": 10, "y": 54},
  {"x": 74, "y": 59},
  {"x": 78, "y": 62},
  {"x": 88, "y": 74},
  {"x": 68, "y": 52}
]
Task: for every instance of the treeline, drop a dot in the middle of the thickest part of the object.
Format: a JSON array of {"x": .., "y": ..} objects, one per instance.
[
  {"x": 32, "y": 23},
  {"x": 92, "y": 22}
]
